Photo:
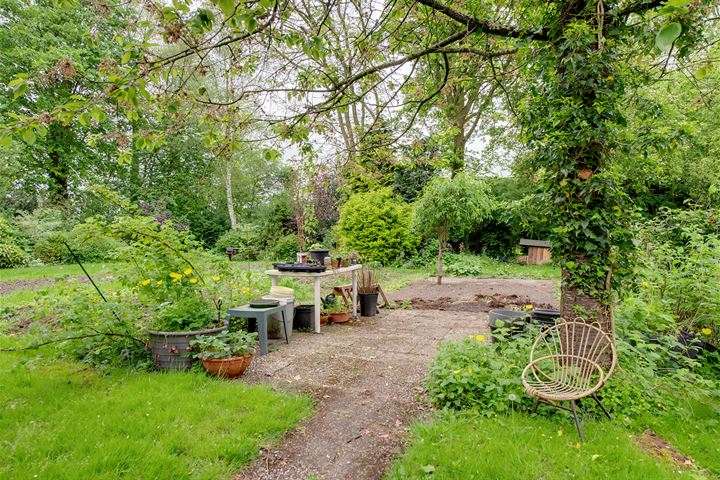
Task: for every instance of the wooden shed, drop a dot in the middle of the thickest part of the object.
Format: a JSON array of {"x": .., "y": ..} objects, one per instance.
[{"x": 538, "y": 251}]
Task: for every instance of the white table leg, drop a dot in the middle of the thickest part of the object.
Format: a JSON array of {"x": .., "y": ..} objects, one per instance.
[
  {"x": 317, "y": 305},
  {"x": 273, "y": 280},
  {"x": 354, "y": 293}
]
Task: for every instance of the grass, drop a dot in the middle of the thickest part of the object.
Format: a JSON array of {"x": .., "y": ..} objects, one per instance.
[
  {"x": 461, "y": 446},
  {"x": 62, "y": 422},
  {"x": 51, "y": 271},
  {"x": 466, "y": 265}
]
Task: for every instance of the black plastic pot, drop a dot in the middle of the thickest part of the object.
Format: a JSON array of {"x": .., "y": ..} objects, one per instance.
[
  {"x": 319, "y": 255},
  {"x": 544, "y": 318},
  {"x": 304, "y": 317},
  {"x": 172, "y": 351},
  {"x": 368, "y": 304},
  {"x": 511, "y": 321}
]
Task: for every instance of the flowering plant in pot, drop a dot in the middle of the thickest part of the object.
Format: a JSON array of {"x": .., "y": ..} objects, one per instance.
[
  {"x": 177, "y": 302},
  {"x": 227, "y": 354}
]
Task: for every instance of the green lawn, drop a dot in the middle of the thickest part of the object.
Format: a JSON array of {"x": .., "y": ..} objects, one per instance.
[
  {"x": 522, "y": 447},
  {"x": 61, "y": 421},
  {"x": 468, "y": 265},
  {"x": 51, "y": 271}
]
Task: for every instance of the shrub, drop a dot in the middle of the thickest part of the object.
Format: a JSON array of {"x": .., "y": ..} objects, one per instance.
[
  {"x": 247, "y": 238},
  {"x": 486, "y": 377},
  {"x": 285, "y": 248},
  {"x": 11, "y": 256},
  {"x": 51, "y": 249},
  {"x": 377, "y": 226}
]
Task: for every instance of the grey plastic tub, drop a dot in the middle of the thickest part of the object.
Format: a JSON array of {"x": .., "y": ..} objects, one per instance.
[{"x": 172, "y": 351}]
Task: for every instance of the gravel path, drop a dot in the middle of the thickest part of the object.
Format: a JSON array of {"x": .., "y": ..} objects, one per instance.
[{"x": 367, "y": 379}]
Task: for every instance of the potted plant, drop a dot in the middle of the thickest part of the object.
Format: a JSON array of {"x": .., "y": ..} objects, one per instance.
[
  {"x": 368, "y": 292},
  {"x": 318, "y": 253},
  {"x": 227, "y": 354},
  {"x": 339, "y": 313}
]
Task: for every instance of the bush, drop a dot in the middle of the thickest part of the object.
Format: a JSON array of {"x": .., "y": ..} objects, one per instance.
[
  {"x": 285, "y": 248},
  {"x": 485, "y": 377},
  {"x": 11, "y": 256},
  {"x": 377, "y": 226},
  {"x": 51, "y": 249},
  {"x": 247, "y": 238}
]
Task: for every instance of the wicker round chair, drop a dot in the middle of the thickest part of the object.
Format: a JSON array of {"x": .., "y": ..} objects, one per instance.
[{"x": 569, "y": 361}]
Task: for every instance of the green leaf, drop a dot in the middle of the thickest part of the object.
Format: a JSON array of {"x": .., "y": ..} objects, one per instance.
[
  {"x": 677, "y": 3},
  {"x": 5, "y": 141},
  {"x": 126, "y": 57},
  {"x": 667, "y": 36},
  {"x": 20, "y": 91},
  {"x": 226, "y": 6},
  {"x": 29, "y": 136},
  {"x": 251, "y": 24}
]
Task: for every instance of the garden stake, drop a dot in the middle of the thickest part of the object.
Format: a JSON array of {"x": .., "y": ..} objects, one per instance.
[{"x": 90, "y": 278}]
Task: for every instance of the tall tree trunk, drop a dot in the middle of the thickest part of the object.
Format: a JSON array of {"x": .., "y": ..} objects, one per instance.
[
  {"x": 58, "y": 170},
  {"x": 441, "y": 248},
  {"x": 228, "y": 191},
  {"x": 458, "y": 163}
]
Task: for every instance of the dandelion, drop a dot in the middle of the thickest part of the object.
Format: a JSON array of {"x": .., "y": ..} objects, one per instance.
[
  {"x": 469, "y": 370},
  {"x": 456, "y": 372},
  {"x": 193, "y": 281},
  {"x": 512, "y": 397},
  {"x": 216, "y": 278},
  {"x": 706, "y": 331},
  {"x": 645, "y": 283},
  {"x": 187, "y": 271},
  {"x": 175, "y": 276},
  {"x": 146, "y": 282},
  {"x": 480, "y": 338},
  {"x": 160, "y": 282},
  {"x": 529, "y": 306},
  {"x": 246, "y": 289}
]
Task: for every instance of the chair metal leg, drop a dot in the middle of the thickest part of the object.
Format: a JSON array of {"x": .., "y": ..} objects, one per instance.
[
  {"x": 536, "y": 405},
  {"x": 577, "y": 421},
  {"x": 597, "y": 400}
]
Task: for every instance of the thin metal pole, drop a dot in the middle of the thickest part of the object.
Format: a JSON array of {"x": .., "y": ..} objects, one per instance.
[{"x": 77, "y": 260}]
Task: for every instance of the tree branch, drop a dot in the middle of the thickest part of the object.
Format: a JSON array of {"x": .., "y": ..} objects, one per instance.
[{"x": 491, "y": 28}]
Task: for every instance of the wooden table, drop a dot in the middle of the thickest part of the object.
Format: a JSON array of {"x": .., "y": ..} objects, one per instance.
[{"x": 317, "y": 277}]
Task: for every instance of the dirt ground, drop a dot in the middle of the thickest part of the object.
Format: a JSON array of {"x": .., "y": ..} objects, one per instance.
[
  {"x": 367, "y": 375},
  {"x": 7, "y": 287}
]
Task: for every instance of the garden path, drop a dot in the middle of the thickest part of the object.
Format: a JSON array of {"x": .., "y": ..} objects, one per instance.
[{"x": 367, "y": 378}]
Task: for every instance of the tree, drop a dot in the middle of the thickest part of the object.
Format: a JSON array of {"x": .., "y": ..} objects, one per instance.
[
  {"x": 579, "y": 61},
  {"x": 449, "y": 208},
  {"x": 49, "y": 56}
]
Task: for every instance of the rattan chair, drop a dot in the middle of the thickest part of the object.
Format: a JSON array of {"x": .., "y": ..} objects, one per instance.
[{"x": 569, "y": 361}]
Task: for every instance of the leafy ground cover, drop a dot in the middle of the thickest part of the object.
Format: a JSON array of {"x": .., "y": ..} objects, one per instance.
[
  {"x": 63, "y": 421},
  {"x": 515, "y": 446}
]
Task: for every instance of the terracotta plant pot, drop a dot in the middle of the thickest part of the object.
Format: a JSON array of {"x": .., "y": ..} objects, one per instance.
[
  {"x": 340, "y": 317},
  {"x": 227, "y": 367},
  {"x": 324, "y": 319}
]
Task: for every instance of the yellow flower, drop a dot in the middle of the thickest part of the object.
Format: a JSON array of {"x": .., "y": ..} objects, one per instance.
[
  {"x": 159, "y": 282},
  {"x": 480, "y": 338},
  {"x": 645, "y": 283},
  {"x": 233, "y": 285},
  {"x": 246, "y": 289},
  {"x": 216, "y": 278},
  {"x": 469, "y": 370},
  {"x": 146, "y": 282},
  {"x": 193, "y": 280},
  {"x": 528, "y": 306},
  {"x": 706, "y": 331},
  {"x": 187, "y": 271},
  {"x": 175, "y": 276},
  {"x": 456, "y": 372}
]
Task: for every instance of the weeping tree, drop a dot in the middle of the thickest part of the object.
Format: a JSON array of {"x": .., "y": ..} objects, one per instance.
[{"x": 449, "y": 208}]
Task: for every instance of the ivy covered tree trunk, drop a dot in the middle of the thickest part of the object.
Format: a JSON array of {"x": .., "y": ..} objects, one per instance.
[{"x": 574, "y": 116}]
